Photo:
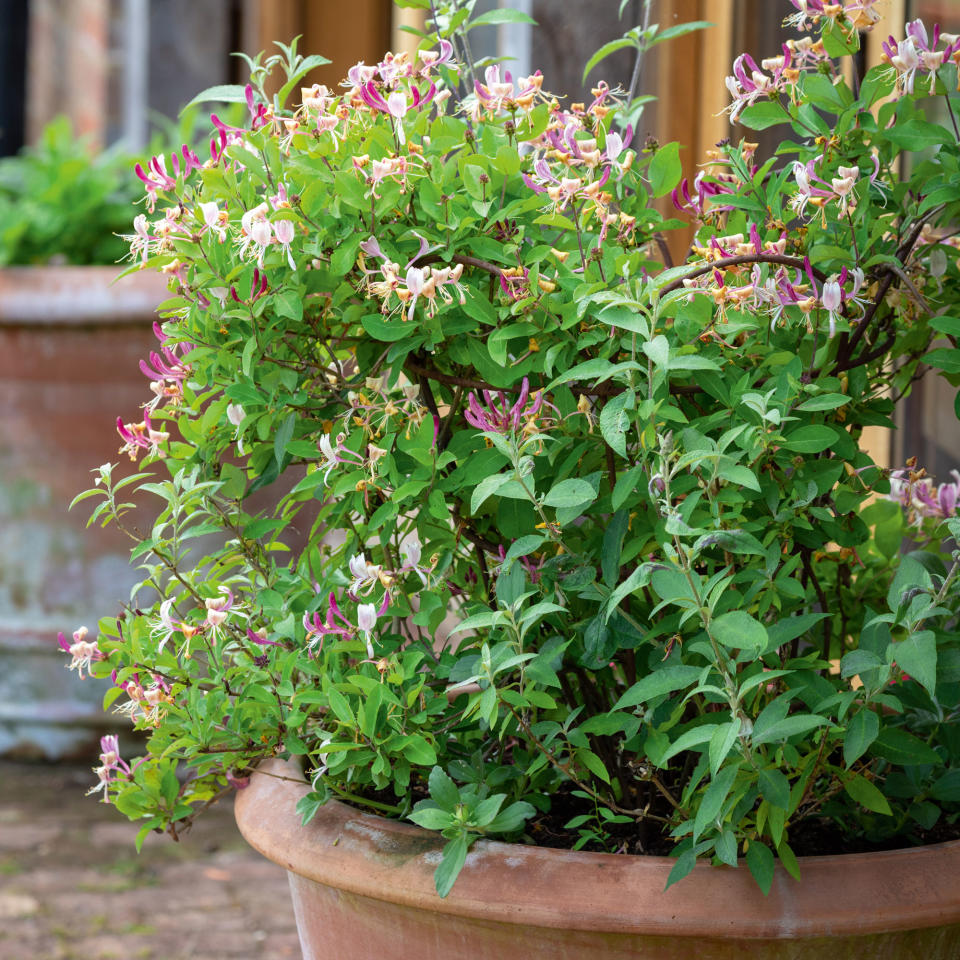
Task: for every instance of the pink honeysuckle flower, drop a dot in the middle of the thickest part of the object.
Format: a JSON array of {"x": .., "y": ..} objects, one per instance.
[
  {"x": 397, "y": 104},
  {"x": 939, "y": 502},
  {"x": 285, "y": 231},
  {"x": 257, "y": 231},
  {"x": 215, "y": 219},
  {"x": 219, "y": 609},
  {"x": 155, "y": 179},
  {"x": 338, "y": 624},
  {"x": 258, "y": 111},
  {"x": 371, "y": 247},
  {"x": 364, "y": 576},
  {"x": 166, "y": 626},
  {"x": 704, "y": 190},
  {"x": 260, "y": 640},
  {"x": 431, "y": 59},
  {"x": 916, "y": 54},
  {"x": 141, "y": 241},
  {"x": 166, "y": 370},
  {"x": 113, "y": 768},
  {"x": 146, "y": 704},
  {"x": 141, "y": 436},
  {"x": 332, "y": 456},
  {"x": 500, "y": 417},
  {"x": 84, "y": 652},
  {"x": 258, "y": 287}
]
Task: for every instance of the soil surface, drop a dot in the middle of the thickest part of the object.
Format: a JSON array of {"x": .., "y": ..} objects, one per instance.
[{"x": 72, "y": 886}]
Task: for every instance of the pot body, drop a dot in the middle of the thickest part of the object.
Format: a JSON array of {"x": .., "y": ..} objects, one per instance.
[
  {"x": 363, "y": 887},
  {"x": 70, "y": 346}
]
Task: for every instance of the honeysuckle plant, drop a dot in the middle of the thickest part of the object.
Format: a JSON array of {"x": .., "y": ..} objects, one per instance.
[{"x": 471, "y": 499}]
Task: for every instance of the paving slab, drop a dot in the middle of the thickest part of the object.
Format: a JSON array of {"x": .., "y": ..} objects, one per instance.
[{"x": 72, "y": 886}]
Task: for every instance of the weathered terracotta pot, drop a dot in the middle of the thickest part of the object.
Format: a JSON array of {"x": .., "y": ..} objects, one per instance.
[
  {"x": 70, "y": 345},
  {"x": 363, "y": 887}
]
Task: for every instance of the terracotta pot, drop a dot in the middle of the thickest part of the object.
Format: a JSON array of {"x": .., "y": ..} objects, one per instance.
[
  {"x": 363, "y": 887},
  {"x": 70, "y": 346}
]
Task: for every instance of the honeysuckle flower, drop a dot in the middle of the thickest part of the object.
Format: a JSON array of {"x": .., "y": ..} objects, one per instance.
[
  {"x": 260, "y": 640},
  {"x": 832, "y": 299},
  {"x": 285, "y": 232},
  {"x": 83, "y": 652},
  {"x": 155, "y": 179},
  {"x": 215, "y": 218},
  {"x": 259, "y": 114},
  {"x": 338, "y": 624},
  {"x": 258, "y": 287},
  {"x": 141, "y": 436},
  {"x": 142, "y": 242},
  {"x": 236, "y": 415},
  {"x": 499, "y": 94},
  {"x": 166, "y": 626},
  {"x": 146, "y": 704},
  {"x": 332, "y": 456},
  {"x": 257, "y": 231},
  {"x": 916, "y": 54},
  {"x": 498, "y": 416},
  {"x": 219, "y": 608},
  {"x": 364, "y": 576},
  {"x": 166, "y": 370}
]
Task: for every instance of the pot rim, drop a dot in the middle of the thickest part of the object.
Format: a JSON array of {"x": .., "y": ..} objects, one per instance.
[{"x": 364, "y": 854}]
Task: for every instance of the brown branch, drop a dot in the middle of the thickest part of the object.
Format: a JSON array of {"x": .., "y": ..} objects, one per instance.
[{"x": 780, "y": 258}]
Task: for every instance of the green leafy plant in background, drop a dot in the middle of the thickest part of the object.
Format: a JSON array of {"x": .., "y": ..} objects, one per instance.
[
  {"x": 555, "y": 520},
  {"x": 61, "y": 202}
]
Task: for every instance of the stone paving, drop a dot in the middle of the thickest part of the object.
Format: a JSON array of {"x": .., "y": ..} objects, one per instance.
[{"x": 72, "y": 886}]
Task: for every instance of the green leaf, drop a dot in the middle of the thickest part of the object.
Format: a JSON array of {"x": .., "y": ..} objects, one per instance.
[
  {"x": 221, "y": 93},
  {"x": 280, "y": 441},
  {"x": 790, "y": 727},
  {"x": 917, "y": 655},
  {"x": 739, "y": 475},
  {"x": 765, "y": 114},
  {"x": 713, "y": 799},
  {"x": 824, "y": 401},
  {"x": 737, "y": 630},
  {"x": 775, "y": 788},
  {"x": 570, "y": 493},
  {"x": 495, "y": 17},
  {"x": 867, "y": 795},
  {"x": 760, "y": 861},
  {"x": 658, "y": 350},
  {"x": 945, "y": 358},
  {"x": 721, "y": 743},
  {"x": 443, "y": 791},
  {"x": 861, "y": 731},
  {"x": 615, "y": 422},
  {"x": 454, "y": 857},
  {"x": 487, "y": 487},
  {"x": 665, "y": 169},
  {"x": 512, "y": 818},
  {"x": 811, "y": 439},
  {"x": 917, "y": 134},
  {"x": 665, "y": 680},
  {"x": 903, "y": 748},
  {"x": 388, "y": 331},
  {"x": 685, "y": 863},
  {"x": 593, "y": 763},
  {"x": 430, "y": 818},
  {"x": 605, "y": 51}
]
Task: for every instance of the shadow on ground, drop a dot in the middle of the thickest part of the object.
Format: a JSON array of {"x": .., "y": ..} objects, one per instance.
[{"x": 72, "y": 886}]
